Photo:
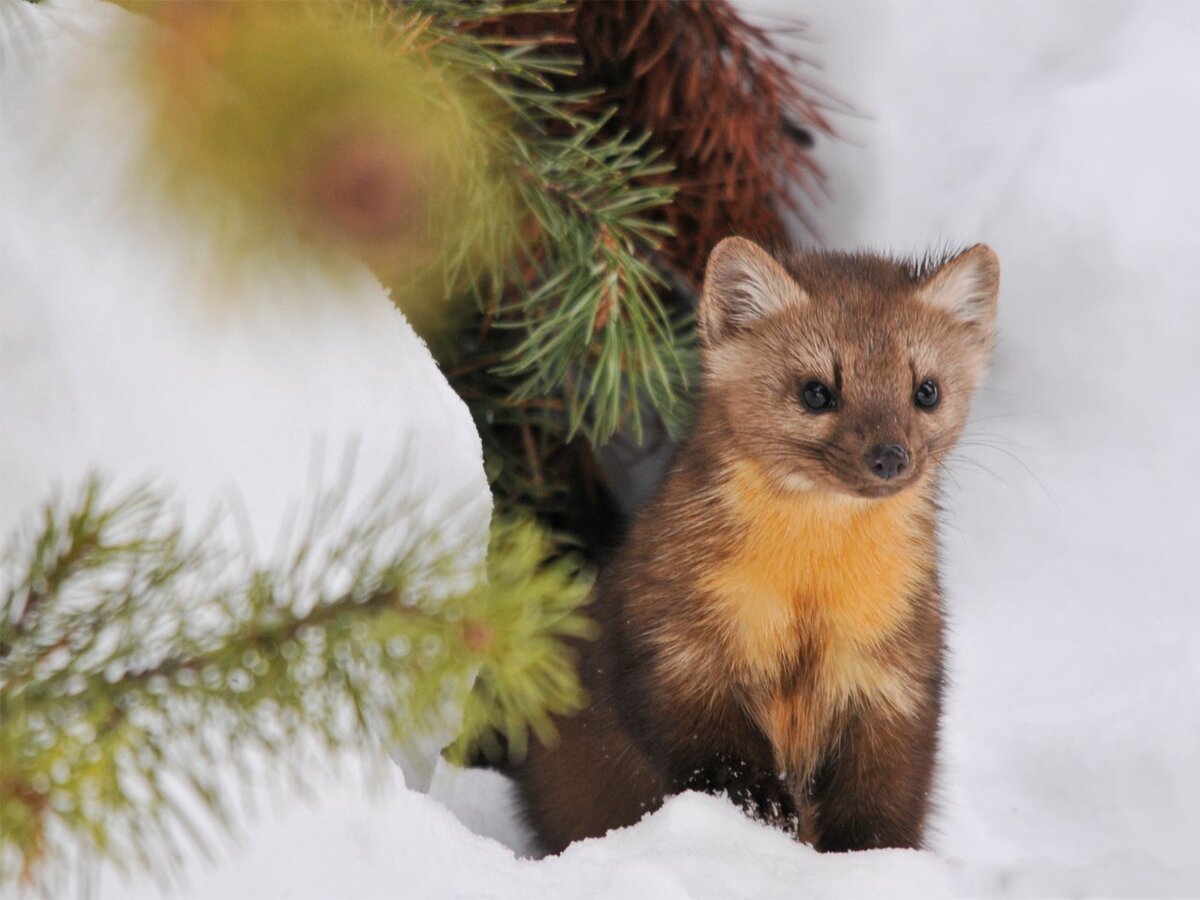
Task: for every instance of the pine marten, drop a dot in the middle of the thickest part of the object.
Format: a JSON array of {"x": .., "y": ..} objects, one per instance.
[{"x": 773, "y": 628}]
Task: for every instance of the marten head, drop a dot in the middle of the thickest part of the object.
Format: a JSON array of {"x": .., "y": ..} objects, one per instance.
[{"x": 849, "y": 373}]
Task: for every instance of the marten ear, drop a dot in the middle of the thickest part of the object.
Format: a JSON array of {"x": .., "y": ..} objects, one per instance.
[
  {"x": 742, "y": 285},
  {"x": 966, "y": 287}
]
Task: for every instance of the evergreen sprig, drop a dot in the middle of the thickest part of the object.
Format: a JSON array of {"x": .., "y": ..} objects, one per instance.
[
  {"x": 572, "y": 337},
  {"x": 137, "y": 662}
]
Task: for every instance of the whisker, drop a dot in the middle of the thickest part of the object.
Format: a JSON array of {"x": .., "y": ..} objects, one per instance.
[
  {"x": 947, "y": 514},
  {"x": 1008, "y": 415},
  {"x": 814, "y": 452},
  {"x": 960, "y": 458},
  {"x": 988, "y": 442},
  {"x": 992, "y": 435},
  {"x": 953, "y": 477},
  {"x": 1020, "y": 462}
]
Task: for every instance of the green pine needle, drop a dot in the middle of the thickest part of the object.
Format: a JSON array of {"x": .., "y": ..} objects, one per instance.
[
  {"x": 573, "y": 338},
  {"x": 136, "y": 661}
]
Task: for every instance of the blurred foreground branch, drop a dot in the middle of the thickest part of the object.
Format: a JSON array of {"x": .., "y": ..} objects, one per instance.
[{"x": 138, "y": 663}]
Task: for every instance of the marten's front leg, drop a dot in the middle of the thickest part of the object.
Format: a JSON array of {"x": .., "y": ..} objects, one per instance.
[
  {"x": 760, "y": 792},
  {"x": 723, "y": 752},
  {"x": 874, "y": 792},
  {"x": 696, "y": 740}
]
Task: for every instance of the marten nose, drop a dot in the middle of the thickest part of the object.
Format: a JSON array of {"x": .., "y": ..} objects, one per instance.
[{"x": 887, "y": 460}]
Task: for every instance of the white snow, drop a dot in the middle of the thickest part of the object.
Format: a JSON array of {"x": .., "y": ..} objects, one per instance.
[{"x": 1062, "y": 134}]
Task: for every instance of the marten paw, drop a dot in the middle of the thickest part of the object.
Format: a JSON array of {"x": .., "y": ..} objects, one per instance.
[{"x": 761, "y": 793}]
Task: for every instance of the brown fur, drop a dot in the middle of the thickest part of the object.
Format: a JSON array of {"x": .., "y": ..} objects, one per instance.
[{"x": 773, "y": 626}]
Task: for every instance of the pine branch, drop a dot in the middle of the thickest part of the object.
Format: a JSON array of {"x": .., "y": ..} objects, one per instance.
[
  {"x": 572, "y": 322},
  {"x": 138, "y": 661}
]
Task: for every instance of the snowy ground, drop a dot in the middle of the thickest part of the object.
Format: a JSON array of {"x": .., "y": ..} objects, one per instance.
[{"x": 1064, "y": 135}]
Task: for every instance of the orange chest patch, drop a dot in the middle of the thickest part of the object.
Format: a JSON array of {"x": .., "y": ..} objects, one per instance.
[{"x": 835, "y": 573}]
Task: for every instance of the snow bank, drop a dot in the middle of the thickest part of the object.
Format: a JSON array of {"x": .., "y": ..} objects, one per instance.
[
  {"x": 1064, "y": 135},
  {"x": 408, "y": 845}
]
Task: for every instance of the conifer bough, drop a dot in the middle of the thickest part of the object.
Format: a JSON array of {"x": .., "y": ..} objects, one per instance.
[{"x": 139, "y": 663}]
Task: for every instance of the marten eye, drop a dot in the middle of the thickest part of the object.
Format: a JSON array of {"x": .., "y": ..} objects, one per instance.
[
  {"x": 927, "y": 395},
  {"x": 818, "y": 397}
]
